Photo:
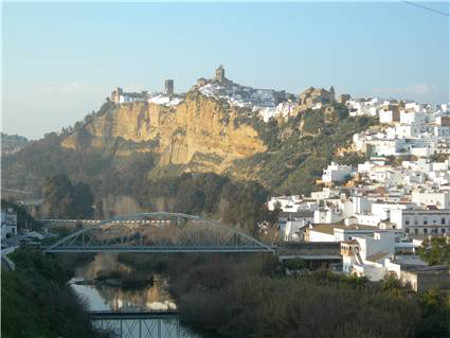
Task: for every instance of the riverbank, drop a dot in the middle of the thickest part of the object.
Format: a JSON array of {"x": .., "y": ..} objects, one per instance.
[
  {"x": 37, "y": 302},
  {"x": 249, "y": 296}
]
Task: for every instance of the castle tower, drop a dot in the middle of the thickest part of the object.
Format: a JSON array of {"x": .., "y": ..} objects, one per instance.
[
  {"x": 332, "y": 94},
  {"x": 220, "y": 74},
  {"x": 115, "y": 95},
  {"x": 168, "y": 87}
]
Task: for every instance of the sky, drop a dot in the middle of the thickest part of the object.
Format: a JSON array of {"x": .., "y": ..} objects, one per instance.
[{"x": 61, "y": 60}]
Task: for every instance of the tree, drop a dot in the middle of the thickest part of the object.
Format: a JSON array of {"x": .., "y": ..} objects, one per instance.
[
  {"x": 390, "y": 282},
  {"x": 65, "y": 200},
  {"x": 82, "y": 201},
  {"x": 435, "y": 251},
  {"x": 57, "y": 190}
]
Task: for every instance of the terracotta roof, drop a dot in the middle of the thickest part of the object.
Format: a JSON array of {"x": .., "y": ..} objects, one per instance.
[
  {"x": 329, "y": 228},
  {"x": 377, "y": 256},
  {"x": 325, "y": 228},
  {"x": 352, "y": 241}
]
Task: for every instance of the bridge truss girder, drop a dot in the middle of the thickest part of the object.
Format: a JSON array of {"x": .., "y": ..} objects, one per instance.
[
  {"x": 157, "y": 326},
  {"x": 159, "y": 233}
]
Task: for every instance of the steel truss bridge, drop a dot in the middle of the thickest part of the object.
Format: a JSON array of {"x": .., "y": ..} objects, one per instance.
[
  {"x": 161, "y": 324},
  {"x": 159, "y": 233}
]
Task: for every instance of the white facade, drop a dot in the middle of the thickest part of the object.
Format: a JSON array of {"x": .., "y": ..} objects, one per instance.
[
  {"x": 327, "y": 216},
  {"x": 286, "y": 203},
  {"x": 8, "y": 223},
  {"x": 336, "y": 172},
  {"x": 361, "y": 205},
  {"x": 422, "y": 221},
  {"x": 371, "y": 256},
  {"x": 383, "y": 209},
  {"x": 335, "y": 233},
  {"x": 386, "y": 116},
  {"x": 440, "y": 199},
  {"x": 291, "y": 231}
]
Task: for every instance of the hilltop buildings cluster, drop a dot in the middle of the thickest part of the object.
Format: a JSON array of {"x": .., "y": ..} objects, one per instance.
[
  {"x": 407, "y": 128},
  {"x": 267, "y": 103},
  {"x": 382, "y": 210}
]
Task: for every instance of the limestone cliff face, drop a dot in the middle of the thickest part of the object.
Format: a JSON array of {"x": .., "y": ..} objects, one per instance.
[{"x": 199, "y": 133}]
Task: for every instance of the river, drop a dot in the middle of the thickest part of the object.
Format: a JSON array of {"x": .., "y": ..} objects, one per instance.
[{"x": 152, "y": 297}]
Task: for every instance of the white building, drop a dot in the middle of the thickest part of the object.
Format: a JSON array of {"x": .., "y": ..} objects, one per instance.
[
  {"x": 8, "y": 223},
  {"x": 441, "y": 199},
  {"x": 388, "y": 116},
  {"x": 336, "y": 172},
  {"x": 285, "y": 203},
  {"x": 327, "y": 216},
  {"x": 376, "y": 255},
  {"x": 336, "y": 233},
  {"x": 422, "y": 221}
]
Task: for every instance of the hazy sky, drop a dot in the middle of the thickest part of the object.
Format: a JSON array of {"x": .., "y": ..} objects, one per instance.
[{"x": 60, "y": 61}]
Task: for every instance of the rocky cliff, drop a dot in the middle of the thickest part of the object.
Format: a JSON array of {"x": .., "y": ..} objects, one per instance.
[{"x": 200, "y": 133}]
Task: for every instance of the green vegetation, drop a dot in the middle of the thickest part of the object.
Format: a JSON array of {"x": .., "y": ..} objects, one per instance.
[
  {"x": 300, "y": 148},
  {"x": 435, "y": 251},
  {"x": 37, "y": 302},
  {"x": 65, "y": 200},
  {"x": 12, "y": 143},
  {"x": 235, "y": 296},
  {"x": 239, "y": 203}
]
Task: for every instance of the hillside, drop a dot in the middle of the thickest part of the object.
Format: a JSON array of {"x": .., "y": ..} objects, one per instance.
[
  {"x": 121, "y": 149},
  {"x": 198, "y": 134},
  {"x": 12, "y": 143}
]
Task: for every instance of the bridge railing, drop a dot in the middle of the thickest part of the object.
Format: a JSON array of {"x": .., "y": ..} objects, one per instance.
[{"x": 172, "y": 233}]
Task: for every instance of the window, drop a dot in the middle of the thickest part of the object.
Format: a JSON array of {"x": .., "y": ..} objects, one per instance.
[
  {"x": 416, "y": 231},
  {"x": 407, "y": 222},
  {"x": 425, "y": 222},
  {"x": 425, "y": 231},
  {"x": 407, "y": 230},
  {"x": 443, "y": 221},
  {"x": 443, "y": 230}
]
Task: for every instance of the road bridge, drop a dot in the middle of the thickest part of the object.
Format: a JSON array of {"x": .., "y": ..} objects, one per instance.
[{"x": 159, "y": 232}]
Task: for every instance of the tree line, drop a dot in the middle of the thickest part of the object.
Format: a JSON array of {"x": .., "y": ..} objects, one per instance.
[{"x": 236, "y": 296}]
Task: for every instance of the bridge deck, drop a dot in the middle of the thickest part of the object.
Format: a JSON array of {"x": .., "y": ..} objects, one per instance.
[
  {"x": 160, "y": 250},
  {"x": 133, "y": 314}
]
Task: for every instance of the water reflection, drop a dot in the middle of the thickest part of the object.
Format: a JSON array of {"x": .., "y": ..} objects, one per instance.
[{"x": 103, "y": 297}]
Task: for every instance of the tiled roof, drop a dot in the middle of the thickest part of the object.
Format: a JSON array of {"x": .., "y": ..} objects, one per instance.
[{"x": 377, "y": 256}]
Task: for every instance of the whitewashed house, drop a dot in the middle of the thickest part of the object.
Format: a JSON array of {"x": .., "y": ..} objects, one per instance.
[
  {"x": 8, "y": 223},
  {"x": 336, "y": 172}
]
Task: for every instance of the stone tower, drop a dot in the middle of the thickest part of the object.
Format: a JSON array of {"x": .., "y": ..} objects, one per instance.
[
  {"x": 168, "y": 87},
  {"x": 115, "y": 95},
  {"x": 220, "y": 74},
  {"x": 332, "y": 94}
]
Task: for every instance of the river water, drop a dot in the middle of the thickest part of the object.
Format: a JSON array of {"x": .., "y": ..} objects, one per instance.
[{"x": 154, "y": 296}]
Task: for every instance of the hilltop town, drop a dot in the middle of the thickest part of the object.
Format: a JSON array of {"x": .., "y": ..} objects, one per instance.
[
  {"x": 383, "y": 209},
  {"x": 383, "y": 193},
  {"x": 268, "y": 103}
]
